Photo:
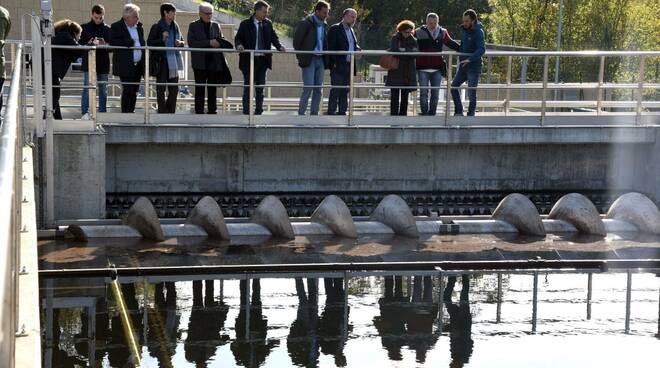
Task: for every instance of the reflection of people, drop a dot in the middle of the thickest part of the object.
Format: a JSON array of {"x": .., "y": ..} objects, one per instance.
[
  {"x": 302, "y": 341},
  {"x": 207, "y": 319},
  {"x": 460, "y": 322},
  {"x": 250, "y": 348},
  {"x": 333, "y": 327},
  {"x": 407, "y": 321},
  {"x": 163, "y": 324}
]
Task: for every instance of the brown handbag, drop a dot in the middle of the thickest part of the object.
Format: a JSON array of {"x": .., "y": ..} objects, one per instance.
[{"x": 389, "y": 62}]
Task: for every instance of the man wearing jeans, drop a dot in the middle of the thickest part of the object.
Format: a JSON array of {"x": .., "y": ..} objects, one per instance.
[
  {"x": 430, "y": 69},
  {"x": 96, "y": 33},
  {"x": 310, "y": 35},
  {"x": 472, "y": 42}
]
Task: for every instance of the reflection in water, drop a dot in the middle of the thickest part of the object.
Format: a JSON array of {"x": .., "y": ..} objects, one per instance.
[
  {"x": 460, "y": 322},
  {"x": 250, "y": 347},
  {"x": 184, "y": 324},
  {"x": 207, "y": 319},
  {"x": 407, "y": 320}
]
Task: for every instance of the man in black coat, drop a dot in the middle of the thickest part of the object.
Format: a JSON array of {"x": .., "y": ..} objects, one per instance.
[
  {"x": 341, "y": 38},
  {"x": 96, "y": 33},
  {"x": 207, "y": 66},
  {"x": 128, "y": 64},
  {"x": 256, "y": 33}
]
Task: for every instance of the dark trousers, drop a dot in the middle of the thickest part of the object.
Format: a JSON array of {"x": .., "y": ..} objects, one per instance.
[
  {"x": 201, "y": 77},
  {"x": 399, "y": 101},
  {"x": 57, "y": 92},
  {"x": 166, "y": 106},
  {"x": 2, "y": 83},
  {"x": 260, "y": 71},
  {"x": 471, "y": 74},
  {"x": 339, "y": 76},
  {"x": 129, "y": 91}
]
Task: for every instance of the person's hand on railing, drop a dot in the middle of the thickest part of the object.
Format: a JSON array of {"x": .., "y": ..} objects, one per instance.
[
  {"x": 465, "y": 62},
  {"x": 282, "y": 49},
  {"x": 179, "y": 43},
  {"x": 100, "y": 41},
  {"x": 214, "y": 44},
  {"x": 240, "y": 48}
]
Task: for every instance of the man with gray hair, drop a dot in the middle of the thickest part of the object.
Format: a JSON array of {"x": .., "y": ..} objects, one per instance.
[
  {"x": 430, "y": 69},
  {"x": 128, "y": 64},
  {"x": 341, "y": 37}
]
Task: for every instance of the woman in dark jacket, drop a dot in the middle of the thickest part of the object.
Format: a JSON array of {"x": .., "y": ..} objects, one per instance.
[
  {"x": 67, "y": 33},
  {"x": 404, "y": 79}
]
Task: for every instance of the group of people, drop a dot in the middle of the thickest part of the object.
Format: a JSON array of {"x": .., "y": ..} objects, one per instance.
[{"x": 312, "y": 34}]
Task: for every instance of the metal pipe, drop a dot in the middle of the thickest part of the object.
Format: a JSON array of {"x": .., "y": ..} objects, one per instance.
[
  {"x": 126, "y": 323},
  {"x": 441, "y": 299},
  {"x": 351, "y": 90},
  {"x": 91, "y": 72},
  {"x": 544, "y": 94},
  {"x": 507, "y": 102},
  {"x": 602, "y": 265},
  {"x": 640, "y": 91},
  {"x": 599, "y": 90},
  {"x": 448, "y": 93},
  {"x": 251, "y": 113},
  {"x": 498, "y": 317},
  {"x": 535, "y": 300},
  {"x": 589, "y": 293},
  {"x": 628, "y": 299}
]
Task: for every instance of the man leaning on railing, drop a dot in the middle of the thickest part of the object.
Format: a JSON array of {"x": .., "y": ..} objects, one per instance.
[
  {"x": 128, "y": 64},
  {"x": 5, "y": 25}
]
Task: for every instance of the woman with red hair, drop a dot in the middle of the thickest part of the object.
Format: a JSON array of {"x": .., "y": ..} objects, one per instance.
[{"x": 403, "y": 79}]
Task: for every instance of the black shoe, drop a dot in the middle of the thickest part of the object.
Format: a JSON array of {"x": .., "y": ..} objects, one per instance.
[
  {"x": 458, "y": 114},
  {"x": 330, "y": 113}
]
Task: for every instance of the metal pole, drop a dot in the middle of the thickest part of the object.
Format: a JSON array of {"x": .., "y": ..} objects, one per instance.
[
  {"x": 640, "y": 90},
  {"x": 441, "y": 298},
  {"x": 535, "y": 299},
  {"x": 448, "y": 93},
  {"x": 126, "y": 323},
  {"x": 590, "y": 277},
  {"x": 498, "y": 317},
  {"x": 247, "y": 306},
  {"x": 559, "y": 28},
  {"x": 91, "y": 72},
  {"x": 146, "y": 86},
  {"x": 599, "y": 91},
  {"x": 507, "y": 102},
  {"x": 628, "y": 297},
  {"x": 251, "y": 114},
  {"x": 544, "y": 96},
  {"x": 351, "y": 90},
  {"x": 224, "y": 99},
  {"x": 49, "y": 183}
]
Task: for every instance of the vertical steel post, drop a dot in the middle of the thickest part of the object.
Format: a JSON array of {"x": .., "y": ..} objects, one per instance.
[
  {"x": 147, "y": 85},
  {"x": 49, "y": 150},
  {"x": 448, "y": 93},
  {"x": 351, "y": 90},
  {"x": 544, "y": 93},
  {"x": 628, "y": 299},
  {"x": 92, "y": 85},
  {"x": 498, "y": 317},
  {"x": 640, "y": 90},
  {"x": 589, "y": 293},
  {"x": 251, "y": 114},
  {"x": 599, "y": 90},
  {"x": 535, "y": 300},
  {"x": 507, "y": 102}
]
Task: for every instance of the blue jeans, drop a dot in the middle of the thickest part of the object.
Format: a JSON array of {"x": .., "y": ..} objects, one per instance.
[
  {"x": 435, "y": 80},
  {"x": 471, "y": 74},
  {"x": 101, "y": 91},
  {"x": 312, "y": 76}
]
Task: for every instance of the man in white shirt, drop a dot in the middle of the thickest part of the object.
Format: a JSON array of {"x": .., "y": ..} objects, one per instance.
[{"x": 128, "y": 64}]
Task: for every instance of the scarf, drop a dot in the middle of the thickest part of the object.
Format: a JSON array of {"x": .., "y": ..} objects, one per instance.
[{"x": 174, "y": 59}]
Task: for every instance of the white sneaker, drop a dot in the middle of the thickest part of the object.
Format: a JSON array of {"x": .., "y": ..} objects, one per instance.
[{"x": 86, "y": 117}]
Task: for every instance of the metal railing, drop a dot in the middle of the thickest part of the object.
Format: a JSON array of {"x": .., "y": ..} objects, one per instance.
[
  {"x": 539, "y": 108},
  {"x": 10, "y": 215}
]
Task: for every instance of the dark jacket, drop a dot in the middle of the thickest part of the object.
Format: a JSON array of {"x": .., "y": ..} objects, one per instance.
[
  {"x": 426, "y": 43},
  {"x": 62, "y": 58},
  {"x": 337, "y": 41},
  {"x": 122, "y": 59},
  {"x": 304, "y": 39},
  {"x": 92, "y": 30},
  {"x": 155, "y": 38},
  {"x": 473, "y": 42},
  {"x": 197, "y": 39},
  {"x": 246, "y": 36},
  {"x": 406, "y": 74}
]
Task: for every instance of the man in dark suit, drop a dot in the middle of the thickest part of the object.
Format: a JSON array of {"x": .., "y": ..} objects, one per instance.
[
  {"x": 204, "y": 33},
  {"x": 128, "y": 64},
  {"x": 256, "y": 33},
  {"x": 341, "y": 38}
]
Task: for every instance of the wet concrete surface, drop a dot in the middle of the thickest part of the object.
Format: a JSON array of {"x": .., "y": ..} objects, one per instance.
[{"x": 66, "y": 254}]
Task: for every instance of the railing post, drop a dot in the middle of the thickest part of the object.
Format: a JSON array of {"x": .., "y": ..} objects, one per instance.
[
  {"x": 535, "y": 293},
  {"x": 544, "y": 93},
  {"x": 448, "y": 92},
  {"x": 640, "y": 90},
  {"x": 251, "y": 112},
  {"x": 498, "y": 316},
  {"x": 589, "y": 293},
  {"x": 147, "y": 85},
  {"x": 507, "y": 102},
  {"x": 224, "y": 99},
  {"x": 628, "y": 299},
  {"x": 351, "y": 89},
  {"x": 92, "y": 84},
  {"x": 599, "y": 90}
]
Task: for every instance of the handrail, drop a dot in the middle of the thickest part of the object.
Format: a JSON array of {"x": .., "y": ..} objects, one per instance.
[{"x": 10, "y": 214}]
